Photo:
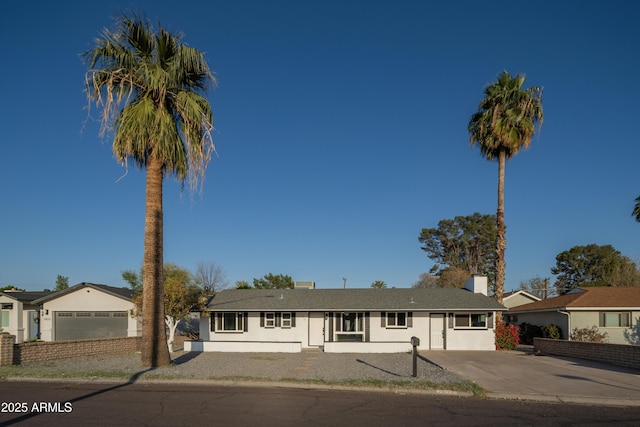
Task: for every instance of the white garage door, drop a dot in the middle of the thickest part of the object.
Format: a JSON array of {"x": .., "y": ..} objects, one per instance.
[{"x": 77, "y": 325}]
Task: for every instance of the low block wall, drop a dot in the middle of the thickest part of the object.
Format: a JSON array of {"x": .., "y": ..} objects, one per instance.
[
  {"x": 614, "y": 354},
  {"x": 244, "y": 347},
  {"x": 41, "y": 351}
]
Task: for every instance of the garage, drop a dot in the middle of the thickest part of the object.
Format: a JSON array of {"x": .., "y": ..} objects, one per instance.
[{"x": 76, "y": 325}]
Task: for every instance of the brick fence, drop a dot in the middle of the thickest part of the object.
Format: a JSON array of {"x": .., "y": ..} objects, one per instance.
[
  {"x": 30, "y": 352},
  {"x": 614, "y": 354}
]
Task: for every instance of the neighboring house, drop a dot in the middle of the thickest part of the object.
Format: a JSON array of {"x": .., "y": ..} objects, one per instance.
[
  {"x": 349, "y": 320},
  {"x": 516, "y": 298},
  {"x": 20, "y": 316},
  {"x": 614, "y": 310},
  {"x": 87, "y": 310}
]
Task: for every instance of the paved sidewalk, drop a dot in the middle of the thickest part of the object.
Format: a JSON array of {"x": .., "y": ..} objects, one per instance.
[{"x": 522, "y": 375}]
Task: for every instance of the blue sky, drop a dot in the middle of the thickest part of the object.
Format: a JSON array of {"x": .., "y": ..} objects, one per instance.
[{"x": 341, "y": 133}]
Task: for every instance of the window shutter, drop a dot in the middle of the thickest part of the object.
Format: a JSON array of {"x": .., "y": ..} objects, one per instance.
[
  {"x": 330, "y": 319},
  {"x": 338, "y": 322},
  {"x": 246, "y": 321},
  {"x": 383, "y": 319},
  {"x": 293, "y": 320},
  {"x": 450, "y": 320},
  {"x": 262, "y": 319},
  {"x": 490, "y": 320},
  {"x": 410, "y": 319},
  {"x": 278, "y": 319},
  {"x": 366, "y": 326}
]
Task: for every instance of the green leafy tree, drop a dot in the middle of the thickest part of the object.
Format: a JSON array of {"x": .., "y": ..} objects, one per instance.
[
  {"x": 242, "y": 284},
  {"x": 151, "y": 89},
  {"x": 636, "y": 210},
  {"x": 540, "y": 287},
  {"x": 62, "y": 282},
  {"x": 504, "y": 124},
  {"x": 182, "y": 295},
  {"x": 11, "y": 288},
  {"x": 593, "y": 265},
  {"x": 270, "y": 281},
  {"x": 460, "y": 247},
  {"x": 378, "y": 284}
]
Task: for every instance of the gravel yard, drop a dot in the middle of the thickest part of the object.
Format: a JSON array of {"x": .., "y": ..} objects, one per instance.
[{"x": 334, "y": 368}]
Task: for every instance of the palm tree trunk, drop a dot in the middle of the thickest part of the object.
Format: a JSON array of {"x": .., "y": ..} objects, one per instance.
[
  {"x": 154, "y": 342},
  {"x": 501, "y": 240}
]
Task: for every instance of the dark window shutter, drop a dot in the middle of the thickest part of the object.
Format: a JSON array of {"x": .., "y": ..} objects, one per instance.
[
  {"x": 450, "y": 320},
  {"x": 293, "y": 320},
  {"x": 409, "y": 320},
  {"x": 246, "y": 321},
  {"x": 338, "y": 322},
  {"x": 278, "y": 319},
  {"x": 330, "y": 337},
  {"x": 366, "y": 326},
  {"x": 490, "y": 320},
  {"x": 262, "y": 319},
  {"x": 383, "y": 319}
]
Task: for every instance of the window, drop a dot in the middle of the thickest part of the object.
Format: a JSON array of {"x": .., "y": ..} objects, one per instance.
[
  {"x": 269, "y": 320},
  {"x": 5, "y": 319},
  {"x": 286, "y": 320},
  {"x": 471, "y": 320},
  {"x": 615, "y": 319},
  {"x": 229, "y": 322},
  {"x": 351, "y": 322},
  {"x": 396, "y": 320}
]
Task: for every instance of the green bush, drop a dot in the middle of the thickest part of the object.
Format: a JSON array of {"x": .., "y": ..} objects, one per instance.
[
  {"x": 553, "y": 332},
  {"x": 506, "y": 336},
  {"x": 528, "y": 332}
]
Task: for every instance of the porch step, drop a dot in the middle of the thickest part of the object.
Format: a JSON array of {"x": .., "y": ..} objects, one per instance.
[{"x": 312, "y": 350}]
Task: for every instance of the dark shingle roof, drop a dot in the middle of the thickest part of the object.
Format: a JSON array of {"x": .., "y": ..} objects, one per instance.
[
  {"x": 26, "y": 296},
  {"x": 124, "y": 293},
  {"x": 350, "y": 299}
]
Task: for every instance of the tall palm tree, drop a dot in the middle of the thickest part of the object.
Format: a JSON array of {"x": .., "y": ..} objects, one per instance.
[
  {"x": 636, "y": 209},
  {"x": 151, "y": 90},
  {"x": 504, "y": 123}
]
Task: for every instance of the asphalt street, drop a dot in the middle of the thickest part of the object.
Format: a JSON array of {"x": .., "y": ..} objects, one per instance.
[{"x": 124, "y": 404}]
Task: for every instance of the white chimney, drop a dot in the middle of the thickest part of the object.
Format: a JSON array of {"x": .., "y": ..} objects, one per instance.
[
  {"x": 476, "y": 284},
  {"x": 304, "y": 285}
]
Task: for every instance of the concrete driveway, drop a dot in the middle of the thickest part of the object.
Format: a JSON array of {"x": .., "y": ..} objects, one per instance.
[{"x": 522, "y": 375}]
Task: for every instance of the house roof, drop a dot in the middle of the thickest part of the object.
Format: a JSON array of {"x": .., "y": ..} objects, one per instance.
[
  {"x": 587, "y": 297},
  {"x": 26, "y": 296},
  {"x": 124, "y": 293},
  {"x": 520, "y": 292},
  {"x": 350, "y": 300}
]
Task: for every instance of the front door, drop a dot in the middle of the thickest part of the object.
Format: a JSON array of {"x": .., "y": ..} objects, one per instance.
[
  {"x": 34, "y": 329},
  {"x": 316, "y": 329},
  {"x": 437, "y": 331}
]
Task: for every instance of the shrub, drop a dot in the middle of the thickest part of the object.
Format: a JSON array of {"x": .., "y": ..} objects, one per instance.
[
  {"x": 591, "y": 334},
  {"x": 506, "y": 336},
  {"x": 552, "y": 331},
  {"x": 528, "y": 332}
]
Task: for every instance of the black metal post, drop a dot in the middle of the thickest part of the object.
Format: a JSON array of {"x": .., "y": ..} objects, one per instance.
[{"x": 415, "y": 342}]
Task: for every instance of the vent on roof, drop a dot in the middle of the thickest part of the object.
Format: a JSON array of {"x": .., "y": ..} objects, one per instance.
[{"x": 304, "y": 285}]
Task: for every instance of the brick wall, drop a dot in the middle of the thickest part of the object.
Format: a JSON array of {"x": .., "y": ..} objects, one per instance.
[
  {"x": 31, "y": 352},
  {"x": 6, "y": 349},
  {"x": 614, "y": 354}
]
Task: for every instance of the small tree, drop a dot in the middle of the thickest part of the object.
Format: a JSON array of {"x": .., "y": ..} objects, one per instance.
[
  {"x": 378, "y": 284},
  {"x": 270, "y": 281},
  {"x": 242, "y": 284},
  {"x": 181, "y": 296},
  {"x": 211, "y": 277},
  {"x": 62, "y": 282}
]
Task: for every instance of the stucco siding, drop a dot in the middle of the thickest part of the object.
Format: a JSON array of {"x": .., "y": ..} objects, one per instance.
[
  {"x": 86, "y": 299},
  {"x": 547, "y": 318}
]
